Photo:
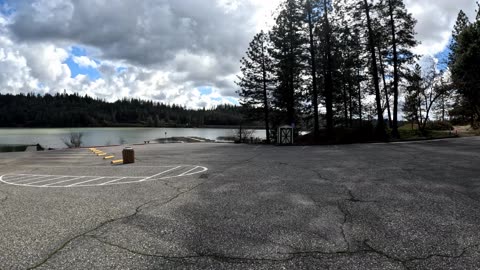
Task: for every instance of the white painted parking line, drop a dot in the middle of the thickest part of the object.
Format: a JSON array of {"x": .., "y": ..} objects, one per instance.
[
  {"x": 158, "y": 174},
  {"x": 64, "y": 181},
  {"x": 68, "y": 180},
  {"x": 54, "y": 158},
  {"x": 114, "y": 180},
  {"x": 88, "y": 181},
  {"x": 186, "y": 173}
]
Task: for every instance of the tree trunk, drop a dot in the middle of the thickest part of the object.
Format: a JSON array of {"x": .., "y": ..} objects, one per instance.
[
  {"x": 316, "y": 125},
  {"x": 396, "y": 78},
  {"x": 443, "y": 107},
  {"x": 265, "y": 96},
  {"x": 387, "y": 98},
  {"x": 350, "y": 104},
  {"x": 360, "y": 99},
  {"x": 380, "y": 130},
  {"x": 328, "y": 74},
  {"x": 345, "y": 106}
]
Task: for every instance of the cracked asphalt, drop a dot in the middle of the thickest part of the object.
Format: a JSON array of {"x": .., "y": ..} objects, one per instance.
[{"x": 372, "y": 206}]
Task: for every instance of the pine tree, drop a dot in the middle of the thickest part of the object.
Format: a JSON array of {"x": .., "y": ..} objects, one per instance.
[
  {"x": 328, "y": 67},
  {"x": 461, "y": 24},
  {"x": 255, "y": 79},
  {"x": 313, "y": 16},
  {"x": 478, "y": 12},
  {"x": 380, "y": 129},
  {"x": 465, "y": 70},
  {"x": 402, "y": 33},
  {"x": 412, "y": 105},
  {"x": 348, "y": 60},
  {"x": 382, "y": 39},
  {"x": 288, "y": 53}
]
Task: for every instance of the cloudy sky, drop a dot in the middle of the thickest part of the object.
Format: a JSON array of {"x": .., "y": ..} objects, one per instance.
[{"x": 174, "y": 51}]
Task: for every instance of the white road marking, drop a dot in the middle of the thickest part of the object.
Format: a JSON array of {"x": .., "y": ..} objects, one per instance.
[
  {"x": 185, "y": 173},
  {"x": 39, "y": 158},
  {"x": 68, "y": 180},
  {"x": 158, "y": 174},
  {"x": 25, "y": 180},
  {"x": 77, "y": 184},
  {"x": 114, "y": 180}
]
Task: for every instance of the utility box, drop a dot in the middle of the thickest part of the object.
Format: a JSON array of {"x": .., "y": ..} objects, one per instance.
[
  {"x": 128, "y": 155},
  {"x": 285, "y": 135}
]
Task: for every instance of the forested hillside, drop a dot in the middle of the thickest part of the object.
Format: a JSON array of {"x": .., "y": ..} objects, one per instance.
[{"x": 63, "y": 110}]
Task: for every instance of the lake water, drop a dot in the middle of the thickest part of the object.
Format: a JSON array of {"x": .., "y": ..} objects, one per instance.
[{"x": 53, "y": 137}]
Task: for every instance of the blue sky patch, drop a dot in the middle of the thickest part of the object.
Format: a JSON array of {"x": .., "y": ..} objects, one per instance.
[
  {"x": 205, "y": 90},
  {"x": 92, "y": 73},
  {"x": 443, "y": 58},
  {"x": 6, "y": 9},
  {"x": 233, "y": 100},
  {"x": 121, "y": 70}
]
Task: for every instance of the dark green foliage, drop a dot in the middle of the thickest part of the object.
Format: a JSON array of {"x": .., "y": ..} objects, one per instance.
[
  {"x": 289, "y": 53},
  {"x": 440, "y": 125},
  {"x": 478, "y": 12},
  {"x": 466, "y": 70},
  {"x": 64, "y": 110},
  {"x": 402, "y": 40},
  {"x": 13, "y": 148},
  {"x": 255, "y": 81},
  {"x": 461, "y": 24},
  {"x": 380, "y": 129}
]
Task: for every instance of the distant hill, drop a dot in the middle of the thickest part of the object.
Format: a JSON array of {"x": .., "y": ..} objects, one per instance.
[{"x": 63, "y": 110}]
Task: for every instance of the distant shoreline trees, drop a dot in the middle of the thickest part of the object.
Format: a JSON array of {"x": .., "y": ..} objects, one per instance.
[{"x": 63, "y": 110}]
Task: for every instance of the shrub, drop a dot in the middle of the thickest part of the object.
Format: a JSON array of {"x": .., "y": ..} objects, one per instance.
[
  {"x": 75, "y": 140},
  {"x": 439, "y": 125}
]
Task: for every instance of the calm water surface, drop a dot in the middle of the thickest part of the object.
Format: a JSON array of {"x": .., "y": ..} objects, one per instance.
[{"x": 53, "y": 137}]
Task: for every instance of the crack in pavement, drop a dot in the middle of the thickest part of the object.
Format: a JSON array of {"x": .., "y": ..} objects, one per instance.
[
  {"x": 346, "y": 216},
  {"x": 235, "y": 259},
  {"x": 218, "y": 257},
  {"x": 138, "y": 209},
  {"x": 413, "y": 259},
  {"x": 354, "y": 199}
]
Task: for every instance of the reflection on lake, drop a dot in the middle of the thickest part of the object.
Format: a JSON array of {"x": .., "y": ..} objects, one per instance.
[{"x": 53, "y": 137}]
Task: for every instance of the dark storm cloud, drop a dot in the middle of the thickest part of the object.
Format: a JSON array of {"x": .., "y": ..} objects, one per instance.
[{"x": 148, "y": 33}]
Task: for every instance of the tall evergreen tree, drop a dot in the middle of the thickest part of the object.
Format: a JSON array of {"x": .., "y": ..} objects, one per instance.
[
  {"x": 312, "y": 17},
  {"x": 288, "y": 53},
  {"x": 478, "y": 12},
  {"x": 256, "y": 78},
  {"x": 465, "y": 70},
  {"x": 402, "y": 32},
  {"x": 380, "y": 129},
  {"x": 328, "y": 69},
  {"x": 383, "y": 43},
  {"x": 461, "y": 24}
]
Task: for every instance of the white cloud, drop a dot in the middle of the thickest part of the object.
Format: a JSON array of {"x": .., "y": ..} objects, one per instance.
[
  {"x": 167, "y": 49},
  {"x": 435, "y": 21},
  {"x": 85, "y": 62}
]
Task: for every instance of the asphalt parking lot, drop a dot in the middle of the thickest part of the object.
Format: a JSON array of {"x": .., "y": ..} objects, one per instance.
[{"x": 225, "y": 206}]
